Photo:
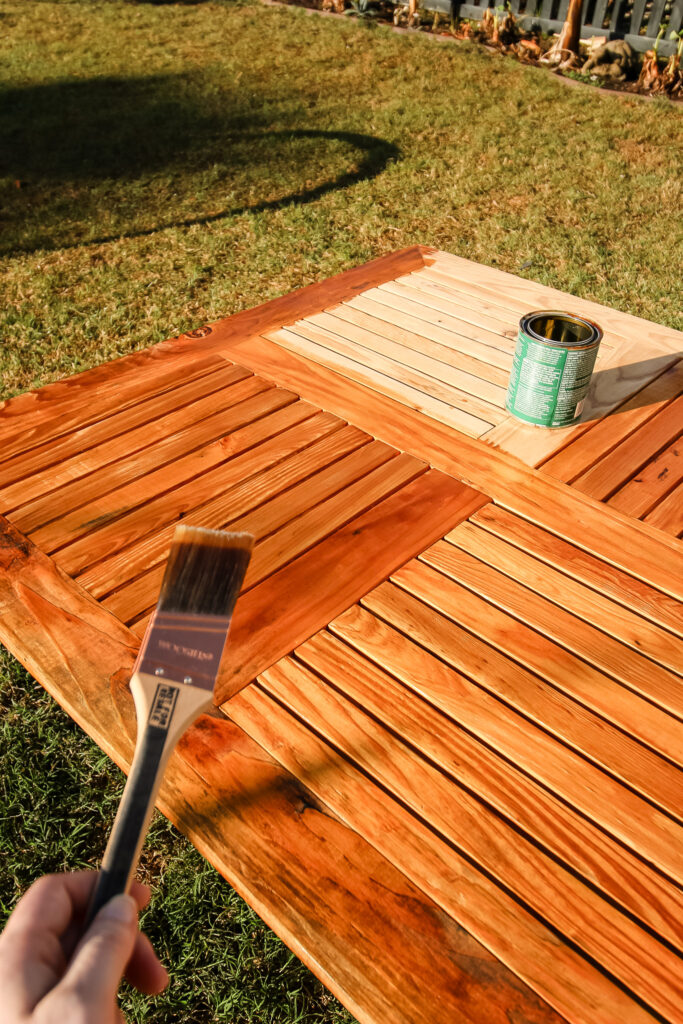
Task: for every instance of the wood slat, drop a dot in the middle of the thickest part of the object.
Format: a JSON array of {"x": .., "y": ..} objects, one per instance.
[
  {"x": 260, "y": 827},
  {"x": 647, "y": 554},
  {"x": 119, "y": 487},
  {"x": 285, "y": 529},
  {"x": 410, "y": 396},
  {"x": 562, "y": 589},
  {"x": 553, "y": 635},
  {"x": 263, "y": 505},
  {"x": 415, "y": 613},
  {"x": 474, "y": 357},
  {"x": 298, "y": 600},
  {"x": 583, "y": 445},
  {"x": 498, "y": 921},
  {"x": 413, "y": 317},
  {"x": 453, "y": 722},
  {"x": 436, "y": 300},
  {"x": 611, "y": 938},
  {"x": 127, "y": 546},
  {"x": 389, "y": 360},
  {"x": 490, "y": 319},
  {"x": 480, "y": 279},
  {"x": 643, "y": 492},
  {"x": 40, "y": 470},
  {"x": 598, "y": 575},
  {"x": 69, "y": 405},
  {"x": 415, "y": 357},
  {"x": 619, "y": 465},
  {"x": 668, "y": 515}
]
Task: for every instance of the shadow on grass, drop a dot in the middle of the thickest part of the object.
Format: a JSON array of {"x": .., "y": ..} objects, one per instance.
[{"x": 97, "y": 160}]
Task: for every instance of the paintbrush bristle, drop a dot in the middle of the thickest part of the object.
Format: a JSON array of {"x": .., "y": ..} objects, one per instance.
[{"x": 205, "y": 571}]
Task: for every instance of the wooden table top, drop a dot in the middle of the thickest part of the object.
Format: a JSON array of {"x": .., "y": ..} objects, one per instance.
[{"x": 445, "y": 759}]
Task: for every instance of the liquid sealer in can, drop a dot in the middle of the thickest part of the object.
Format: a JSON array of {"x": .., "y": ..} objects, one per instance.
[{"x": 552, "y": 368}]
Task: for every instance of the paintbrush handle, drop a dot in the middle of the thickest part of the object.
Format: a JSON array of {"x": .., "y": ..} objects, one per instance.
[{"x": 164, "y": 711}]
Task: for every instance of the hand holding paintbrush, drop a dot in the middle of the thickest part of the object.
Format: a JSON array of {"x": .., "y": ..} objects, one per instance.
[{"x": 173, "y": 679}]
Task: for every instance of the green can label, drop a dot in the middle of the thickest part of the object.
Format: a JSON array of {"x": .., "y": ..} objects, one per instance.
[{"x": 549, "y": 382}]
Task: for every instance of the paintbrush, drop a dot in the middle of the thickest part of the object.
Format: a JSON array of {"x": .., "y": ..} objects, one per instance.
[{"x": 173, "y": 680}]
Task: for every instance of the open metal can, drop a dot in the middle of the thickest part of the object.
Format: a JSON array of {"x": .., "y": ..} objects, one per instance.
[{"x": 552, "y": 368}]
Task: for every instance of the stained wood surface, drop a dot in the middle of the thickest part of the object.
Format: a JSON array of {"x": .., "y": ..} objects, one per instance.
[
  {"x": 307, "y": 874},
  {"x": 447, "y": 769}
]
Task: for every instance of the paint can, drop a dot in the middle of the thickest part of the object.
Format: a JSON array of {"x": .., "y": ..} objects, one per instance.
[{"x": 552, "y": 368}]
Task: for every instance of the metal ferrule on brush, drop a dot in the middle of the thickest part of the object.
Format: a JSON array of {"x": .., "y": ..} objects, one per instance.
[{"x": 184, "y": 648}]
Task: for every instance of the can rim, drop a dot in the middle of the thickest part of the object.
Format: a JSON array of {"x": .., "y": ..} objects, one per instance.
[{"x": 594, "y": 337}]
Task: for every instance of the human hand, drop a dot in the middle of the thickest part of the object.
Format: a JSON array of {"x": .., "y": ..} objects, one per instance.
[{"x": 49, "y": 974}]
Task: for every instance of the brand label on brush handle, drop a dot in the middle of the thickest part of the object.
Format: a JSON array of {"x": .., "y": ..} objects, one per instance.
[
  {"x": 163, "y": 705},
  {"x": 184, "y": 651}
]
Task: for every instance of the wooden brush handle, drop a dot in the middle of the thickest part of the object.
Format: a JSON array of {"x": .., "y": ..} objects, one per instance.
[{"x": 164, "y": 711}]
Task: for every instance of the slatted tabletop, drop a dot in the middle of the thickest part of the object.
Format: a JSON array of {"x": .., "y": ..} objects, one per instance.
[{"x": 445, "y": 758}]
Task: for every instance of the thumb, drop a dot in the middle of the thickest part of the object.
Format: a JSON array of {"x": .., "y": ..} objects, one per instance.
[{"x": 98, "y": 964}]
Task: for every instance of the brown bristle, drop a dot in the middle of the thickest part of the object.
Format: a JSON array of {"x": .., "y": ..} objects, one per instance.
[{"x": 205, "y": 571}]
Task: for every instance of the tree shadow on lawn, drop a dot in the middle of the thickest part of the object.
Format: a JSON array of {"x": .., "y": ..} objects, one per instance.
[{"x": 96, "y": 160}]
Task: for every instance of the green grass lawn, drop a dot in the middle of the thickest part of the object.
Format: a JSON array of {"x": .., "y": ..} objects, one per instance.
[{"x": 165, "y": 165}]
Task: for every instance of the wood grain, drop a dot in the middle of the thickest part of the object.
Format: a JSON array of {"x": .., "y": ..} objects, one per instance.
[
  {"x": 436, "y": 402},
  {"x": 260, "y": 505},
  {"x": 154, "y": 416},
  {"x": 118, "y": 488},
  {"x": 600, "y": 576},
  {"x": 668, "y": 515},
  {"x": 415, "y": 714},
  {"x": 481, "y": 360},
  {"x": 652, "y": 484},
  {"x": 520, "y": 940},
  {"x": 324, "y": 889},
  {"x": 645, "y": 553},
  {"x": 550, "y": 642},
  {"x": 563, "y": 590},
  {"x": 457, "y": 816},
  {"x": 298, "y": 600},
  {"x": 592, "y": 791}
]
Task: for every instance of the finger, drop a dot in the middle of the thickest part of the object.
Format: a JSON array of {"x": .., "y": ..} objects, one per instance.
[
  {"x": 141, "y": 893},
  {"x": 144, "y": 970},
  {"x": 101, "y": 957}
]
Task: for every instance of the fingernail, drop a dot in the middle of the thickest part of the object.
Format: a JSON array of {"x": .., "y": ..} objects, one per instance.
[{"x": 120, "y": 908}]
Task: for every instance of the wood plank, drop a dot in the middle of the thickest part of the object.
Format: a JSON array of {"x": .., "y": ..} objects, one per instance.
[
  {"x": 60, "y": 407},
  {"x": 22, "y": 478},
  {"x": 502, "y": 924},
  {"x": 468, "y": 313},
  {"x": 612, "y": 939},
  {"x": 340, "y": 893},
  {"x": 147, "y": 541},
  {"x": 423, "y": 377},
  {"x": 620, "y": 377},
  {"x": 437, "y": 280},
  {"x": 668, "y": 515},
  {"x": 645, "y": 553},
  {"x": 619, "y": 465},
  {"x": 259, "y": 505},
  {"x": 294, "y": 522},
  {"x": 439, "y": 298},
  {"x": 385, "y": 306},
  {"x": 71, "y": 404},
  {"x": 415, "y": 357},
  {"x": 593, "y": 440},
  {"x": 357, "y": 372},
  {"x": 443, "y": 715},
  {"x": 474, "y": 357},
  {"x": 536, "y": 632},
  {"x": 598, "y": 575},
  {"x": 118, "y": 487},
  {"x": 483, "y": 279},
  {"x": 414, "y": 613},
  {"x": 643, "y": 492},
  {"x": 298, "y": 600},
  {"x": 560, "y": 587}
]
